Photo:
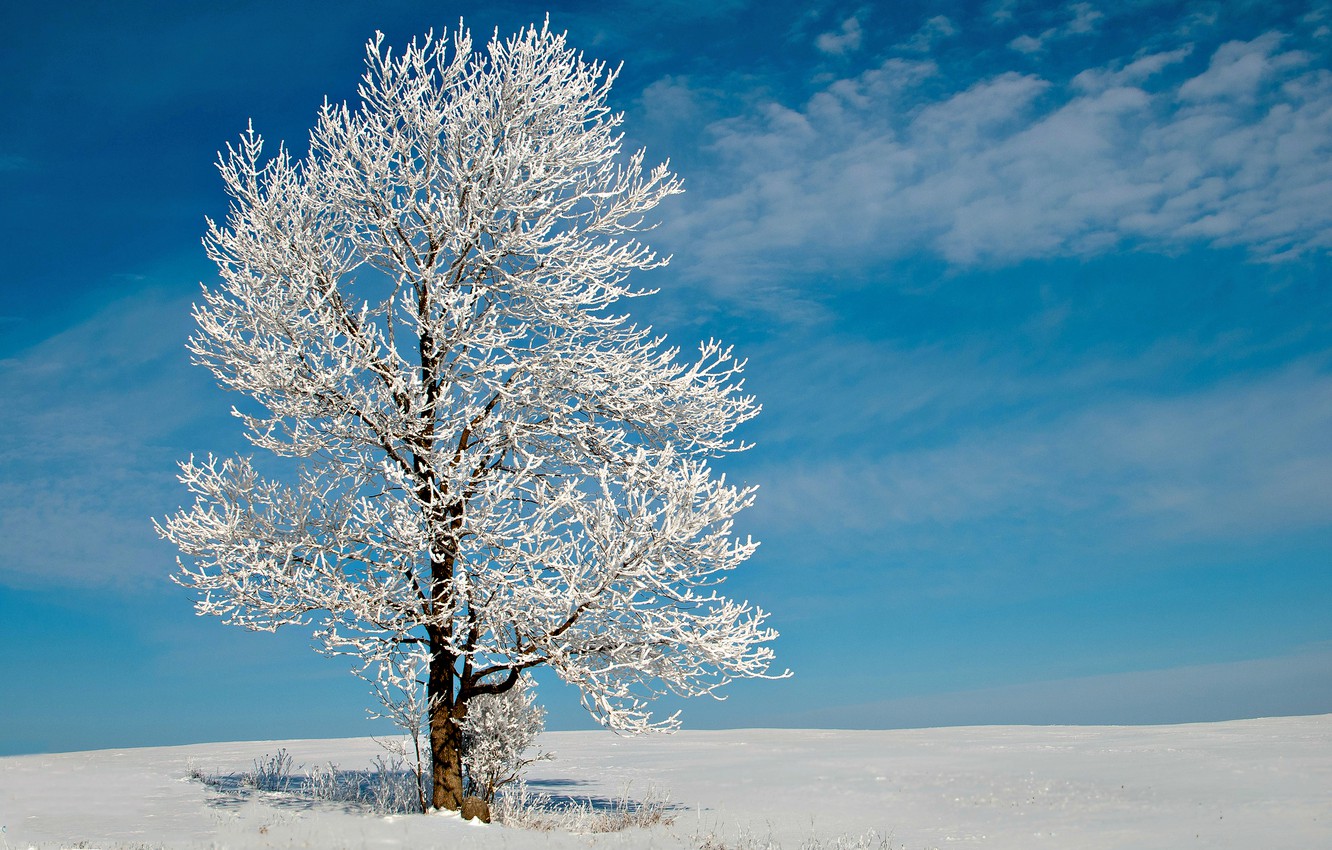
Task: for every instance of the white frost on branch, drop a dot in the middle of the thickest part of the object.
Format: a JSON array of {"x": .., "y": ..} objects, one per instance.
[{"x": 495, "y": 470}]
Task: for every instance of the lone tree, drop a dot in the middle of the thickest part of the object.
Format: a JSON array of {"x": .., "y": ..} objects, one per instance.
[{"x": 492, "y": 469}]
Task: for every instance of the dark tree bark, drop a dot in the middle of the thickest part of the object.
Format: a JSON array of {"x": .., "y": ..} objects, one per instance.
[{"x": 446, "y": 712}]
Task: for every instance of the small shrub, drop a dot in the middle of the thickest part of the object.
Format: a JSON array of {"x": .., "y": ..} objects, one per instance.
[
  {"x": 271, "y": 773},
  {"x": 389, "y": 787},
  {"x": 868, "y": 840},
  {"x": 326, "y": 782},
  {"x": 746, "y": 840},
  {"x": 523, "y": 808},
  {"x": 499, "y": 731},
  {"x": 194, "y": 772}
]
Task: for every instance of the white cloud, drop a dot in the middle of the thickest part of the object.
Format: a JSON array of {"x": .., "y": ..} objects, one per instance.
[
  {"x": 1082, "y": 19},
  {"x": 845, "y": 40},
  {"x": 1001, "y": 11},
  {"x": 84, "y": 445},
  {"x": 1085, "y": 19},
  {"x": 931, "y": 33},
  {"x": 1238, "y": 68},
  {"x": 669, "y": 96},
  {"x": 1030, "y": 44},
  {"x": 1243, "y": 458},
  {"x": 1318, "y": 18},
  {"x": 1134, "y": 73},
  {"x": 1018, "y": 167}
]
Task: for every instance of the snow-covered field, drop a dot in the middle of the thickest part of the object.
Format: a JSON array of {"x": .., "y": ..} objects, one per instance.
[{"x": 1253, "y": 784}]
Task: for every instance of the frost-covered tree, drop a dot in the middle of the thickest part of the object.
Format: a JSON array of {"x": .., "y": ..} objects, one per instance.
[
  {"x": 498, "y": 733},
  {"x": 490, "y": 468}
]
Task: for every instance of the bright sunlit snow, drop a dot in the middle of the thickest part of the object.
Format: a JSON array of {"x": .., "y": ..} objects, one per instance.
[{"x": 1244, "y": 784}]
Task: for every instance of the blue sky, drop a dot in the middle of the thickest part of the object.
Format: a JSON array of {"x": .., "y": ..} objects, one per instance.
[{"x": 1035, "y": 296}]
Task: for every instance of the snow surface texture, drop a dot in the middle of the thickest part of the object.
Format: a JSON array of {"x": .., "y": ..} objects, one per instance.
[{"x": 1243, "y": 784}]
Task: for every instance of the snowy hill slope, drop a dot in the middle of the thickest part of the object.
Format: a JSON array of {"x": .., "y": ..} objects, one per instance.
[{"x": 1244, "y": 784}]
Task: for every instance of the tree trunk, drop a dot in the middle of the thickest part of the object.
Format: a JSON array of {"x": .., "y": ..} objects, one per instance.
[
  {"x": 445, "y": 736},
  {"x": 446, "y": 771}
]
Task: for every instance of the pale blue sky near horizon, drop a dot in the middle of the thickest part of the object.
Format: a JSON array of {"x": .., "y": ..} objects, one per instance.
[{"x": 1035, "y": 296}]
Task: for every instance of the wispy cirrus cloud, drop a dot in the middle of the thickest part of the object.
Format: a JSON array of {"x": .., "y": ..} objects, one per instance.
[
  {"x": 86, "y": 445},
  {"x": 1321, "y": 19},
  {"x": 933, "y": 31},
  {"x": 1132, "y": 73},
  {"x": 1216, "y": 463},
  {"x": 845, "y": 39},
  {"x": 1129, "y": 153},
  {"x": 1082, "y": 18}
]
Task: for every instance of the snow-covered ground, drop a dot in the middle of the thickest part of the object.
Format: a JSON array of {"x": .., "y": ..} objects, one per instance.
[{"x": 1245, "y": 784}]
